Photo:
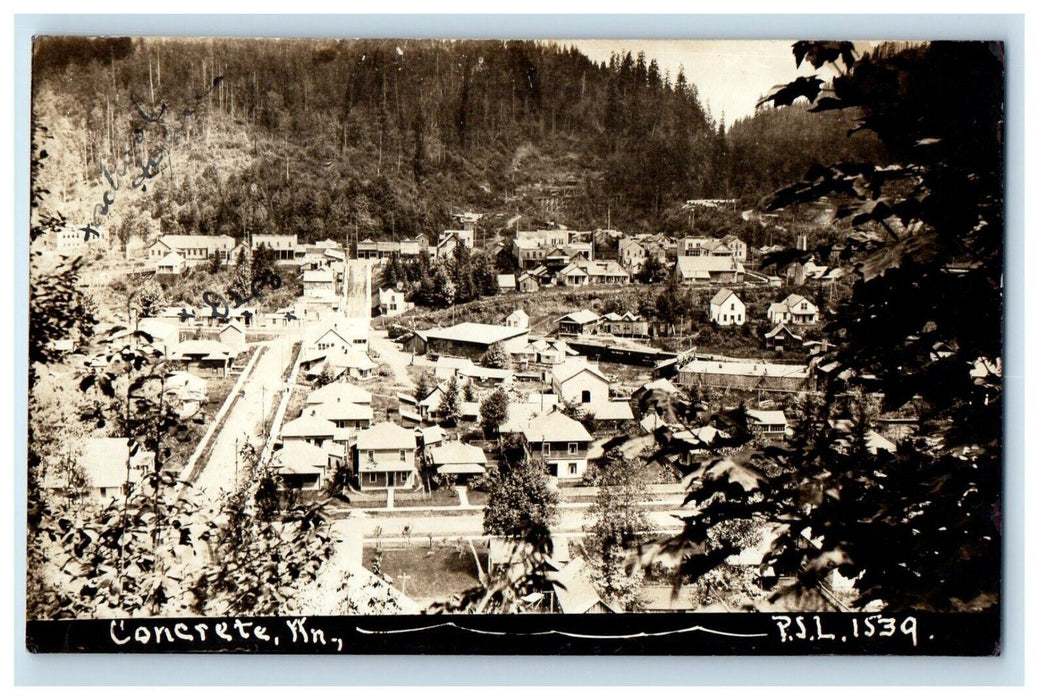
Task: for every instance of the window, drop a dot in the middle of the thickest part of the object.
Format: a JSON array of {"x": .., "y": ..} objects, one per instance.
[
  {"x": 573, "y": 468},
  {"x": 586, "y": 396},
  {"x": 403, "y": 455},
  {"x": 372, "y": 478},
  {"x": 572, "y": 448},
  {"x": 370, "y": 455},
  {"x": 546, "y": 448}
]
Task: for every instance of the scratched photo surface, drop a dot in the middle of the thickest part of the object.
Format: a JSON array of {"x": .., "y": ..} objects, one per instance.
[{"x": 329, "y": 328}]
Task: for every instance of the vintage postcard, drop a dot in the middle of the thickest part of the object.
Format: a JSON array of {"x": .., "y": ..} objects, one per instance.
[{"x": 550, "y": 346}]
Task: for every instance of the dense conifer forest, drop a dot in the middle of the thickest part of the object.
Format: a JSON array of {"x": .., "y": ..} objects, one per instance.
[{"x": 384, "y": 139}]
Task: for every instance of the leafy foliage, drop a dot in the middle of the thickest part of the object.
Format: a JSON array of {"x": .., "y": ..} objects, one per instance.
[
  {"x": 257, "y": 565},
  {"x": 496, "y": 357},
  {"x": 493, "y": 411},
  {"x": 521, "y": 504},
  {"x": 919, "y": 528},
  {"x": 618, "y": 521}
]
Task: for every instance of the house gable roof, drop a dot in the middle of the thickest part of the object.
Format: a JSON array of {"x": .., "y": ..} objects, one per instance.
[
  {"x": 386, "y": 436},
  {"x": 701, "y": 266},
  {"x": 722, "y": 296},
  {"x": 457, "y": 452},
  {"x": 555, "y": 427},
  {"x": 778, "y": 330},
  {"x": 308, "y": 426},
  {"x": 339, "y": 392},
  {"x": 582, "y": 317},
  {"x": 568, "y": 370},
  {"x": 336, "y": 410},
  {"x": 477, "y": 333}
]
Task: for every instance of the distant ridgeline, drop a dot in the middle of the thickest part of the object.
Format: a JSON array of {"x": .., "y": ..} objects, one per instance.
[{"x": 383, "y": 139}]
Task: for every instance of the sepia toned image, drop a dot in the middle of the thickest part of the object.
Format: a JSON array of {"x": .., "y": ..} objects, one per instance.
[{"x": 686, "y": 337}]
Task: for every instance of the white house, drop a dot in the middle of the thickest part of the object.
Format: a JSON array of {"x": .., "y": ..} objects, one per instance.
[
  {"x": 302, "y": 465},
  {"x": 170, "y": 264},
  {"x": 318, "y": 284},
  {"x": 579, "y": 382},
  {"x": 342, "y": 336},
  {"x": 738, "y": 247},
  {"x": 392, "y": 302},
  {"x": 283, "y": 244},
  {"x": 726, "y": 309},
  {"x": 518, "y": 319},
  {"x": 457, "y": 460},
  {"x": 793, "y": 309},
  {"x": 693, "y": 269}
]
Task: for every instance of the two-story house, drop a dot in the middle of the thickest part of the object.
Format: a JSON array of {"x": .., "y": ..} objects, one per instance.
[
  {"x": 577, "y": 381},
  {"x": 561, "y": 441},
  {"x": 282, "y": 244},
  {"x": 385, "y": 457},
  {"x": 793, "y": 309},
  {"x": 726, "y": 309}
]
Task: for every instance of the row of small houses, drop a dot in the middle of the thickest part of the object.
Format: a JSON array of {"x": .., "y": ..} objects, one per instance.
[
  {"x": 724, "y": 309},
  {"x": 727, "y": 309},
  {"x": 334, "y": 433}
]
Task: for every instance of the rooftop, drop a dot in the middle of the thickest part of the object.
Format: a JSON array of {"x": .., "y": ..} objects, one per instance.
[
  {"x": 308, "y": 426},
  {"x": 296, "y": 455},
  {"x": 555, "y": 427},
  {"x": 749, "y": 368},
  {"x": 339, "y": 392},
  {"x": 580, "y": 317},
  {"x": 568, "y": 370},
  {"x": 335, "y": 410},
  {"x": 476, "y": 333},
  {"x": 386, "y": 436},
  {"x": 721, "y": 296},
  {"x": 457, "y": 452}
]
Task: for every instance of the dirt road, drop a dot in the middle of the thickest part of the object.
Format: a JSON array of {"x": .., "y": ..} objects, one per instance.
[
  {"x": 244, "y": 422},
  {"x": 397, "y": 360}
]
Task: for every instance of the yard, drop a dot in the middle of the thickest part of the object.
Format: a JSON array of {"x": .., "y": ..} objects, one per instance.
[
  {"x": 218, "y": 389},
  {"x": 427, "y": 573}
]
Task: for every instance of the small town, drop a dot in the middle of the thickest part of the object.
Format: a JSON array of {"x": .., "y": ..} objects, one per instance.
[{"x": 503, "y": 408}]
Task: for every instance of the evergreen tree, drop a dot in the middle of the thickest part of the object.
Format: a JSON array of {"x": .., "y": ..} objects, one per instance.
[
  {"x": 493, "y": 412},
  {"x": 449, "y": 410}
]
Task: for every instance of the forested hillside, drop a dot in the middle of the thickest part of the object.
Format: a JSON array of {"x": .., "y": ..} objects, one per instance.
[{"x": 385, "y": 139}]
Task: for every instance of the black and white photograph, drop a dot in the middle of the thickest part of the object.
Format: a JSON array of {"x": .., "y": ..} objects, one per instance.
[{"x": 515, "y": 346}]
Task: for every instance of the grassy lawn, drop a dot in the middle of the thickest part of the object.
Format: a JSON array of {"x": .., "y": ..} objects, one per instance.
[
  {"x": 383, "y": 391},
  {"x": 431, "y": 574},
  {"x": 442, "y": 497},
  {"x": 296, "y": 403}
]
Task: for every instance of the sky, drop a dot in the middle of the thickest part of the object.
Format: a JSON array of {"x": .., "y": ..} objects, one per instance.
[{"x": 731, "y": 76}]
